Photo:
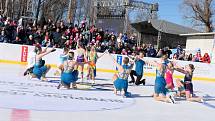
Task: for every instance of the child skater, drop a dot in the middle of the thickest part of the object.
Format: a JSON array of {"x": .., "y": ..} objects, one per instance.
[
  {"x": 160, "y": 82},
  {"x": 120, "y": 80},
  {"x": 169, "y": 76},
  {"x": 169, "y": 81},
  {"x": 40, "y": 69},
  {"x": 69, "y": 73},
  {"x": 187, "y": 83},
  {"x": 93, "y": 57},
  {"x": 63, "y": 57},
  {"x": 81, "y": 58}
]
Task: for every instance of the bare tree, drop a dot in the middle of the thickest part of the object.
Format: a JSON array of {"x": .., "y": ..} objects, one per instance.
[
  {"x": 71, "y": 11},
  {"x": 53, "y": 9},
  {"x": 200, "y": 12}
]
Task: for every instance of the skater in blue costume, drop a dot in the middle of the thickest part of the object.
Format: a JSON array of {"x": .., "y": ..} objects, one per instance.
[
  {"x": 69, "y": 73},
  {"x": 40, "y": 69},
  {"x": 63, "y": 57},
  {"x": 160, "y": 82},
  {"x": 120, "y": 80}
]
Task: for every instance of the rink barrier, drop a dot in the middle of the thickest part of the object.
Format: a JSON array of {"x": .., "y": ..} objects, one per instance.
[
  {"x": 113, "y": 71},
  {"x": 16, "y": 54}
]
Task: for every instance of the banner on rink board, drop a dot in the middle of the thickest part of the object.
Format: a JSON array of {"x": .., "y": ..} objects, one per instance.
[
  {"x": 202, "y": 70},
  {"x": 119, "y": 60},
  {"x": 24, "y": 54}
]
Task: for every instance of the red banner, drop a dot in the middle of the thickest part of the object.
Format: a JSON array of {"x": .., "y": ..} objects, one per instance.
[{"x": 24, "y": 54}]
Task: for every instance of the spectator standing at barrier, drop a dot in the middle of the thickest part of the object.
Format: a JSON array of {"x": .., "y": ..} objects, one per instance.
[
  {"x": 138, "y": 72},
  {"x": 30, "y": 40},
  {"x": 190, "y": 57},
  {"x": 56, "y": 37},
  {"x": 182, "y": 56},
  {"x": 179, "y": 50},
  {"x": 198, "y": 56},
  {"x": 167, "y": 51},
  {"x": 206, "y": 58},
  {"x": 3, "y": 37},
  {"x": 17, "y": 40},
  {"x": 151, "y": 52}
]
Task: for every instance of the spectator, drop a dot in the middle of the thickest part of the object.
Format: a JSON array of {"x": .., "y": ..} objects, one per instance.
[
  {"x": 197, "y": 57},
  {"x": 179, "y": 50},
  {"x": 124, "y": 38},
  {"x": 190, "y": 57},
  {"x": 151, "y": 52},
  {"x": 17, "y": 40},
  {"x": 30, "y": 40},
  {"x": 3, "y": 37},
  {"x": 206, "y": 58},
  {"x": 167, "y": 51},
  {"x": 175, "y": 57},
  {"x": 56, "y": 37},
  {"x": 182, "y": 56}
]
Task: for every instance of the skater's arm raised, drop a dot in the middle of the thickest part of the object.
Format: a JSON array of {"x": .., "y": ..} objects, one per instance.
[
  {"x": 45, "y": 53},
  {"x": 180, "y": 69}
]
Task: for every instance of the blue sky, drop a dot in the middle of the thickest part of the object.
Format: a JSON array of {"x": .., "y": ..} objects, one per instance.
[{"x": 169, "y": 10}]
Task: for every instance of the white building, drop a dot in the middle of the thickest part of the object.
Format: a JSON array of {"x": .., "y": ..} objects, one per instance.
[{"x": 204, "y": 41}]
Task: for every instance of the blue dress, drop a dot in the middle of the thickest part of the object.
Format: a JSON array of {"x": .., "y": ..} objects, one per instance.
[
  {"x": 121, "y": 83},
  {"x": 160, "y": 82},
  {"x": 69, "y": 75},
  {"x": 39, "y": 69}
]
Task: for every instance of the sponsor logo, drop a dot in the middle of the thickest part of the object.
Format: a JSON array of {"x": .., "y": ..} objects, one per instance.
[{"x": 24, "y": 54}]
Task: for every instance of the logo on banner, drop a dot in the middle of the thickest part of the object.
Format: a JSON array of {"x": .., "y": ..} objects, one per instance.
[
  {"x": 24, "y": 54},
  {"x": 119, "y": 60}
]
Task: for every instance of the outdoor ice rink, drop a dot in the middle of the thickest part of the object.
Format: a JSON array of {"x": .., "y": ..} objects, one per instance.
[{"x": 32, "y": 100}]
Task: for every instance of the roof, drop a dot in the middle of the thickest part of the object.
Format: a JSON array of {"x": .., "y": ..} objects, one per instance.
[
  {"x": 153, "y": 26},
  {"x": 198, "y": 34}
]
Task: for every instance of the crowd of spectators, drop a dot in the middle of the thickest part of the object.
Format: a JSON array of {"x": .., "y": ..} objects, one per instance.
[{"x": 60, "y": 35}]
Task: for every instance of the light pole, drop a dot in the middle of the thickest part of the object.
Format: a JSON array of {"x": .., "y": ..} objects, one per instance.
[{"x": 126, "y": 19}]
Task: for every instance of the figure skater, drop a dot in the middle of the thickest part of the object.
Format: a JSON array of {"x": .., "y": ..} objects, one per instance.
[
  {"x": 169, "y": 81},
  {"x": 120, "y": 80},
  {"x": 169, "y": 76},
  {"x": 40, "y": 69},
  {"x": 31, "y": 61},
  {"x": 187, "y": 84},
  {"x": 160, "y": 82},
  {"x": 69, "y": 72},
  {"x": 63, "y": 57},
  {"x": 138, "y": 72},
  {"x": 93, "y": 57},
  {"x": 81, "y": 58}
]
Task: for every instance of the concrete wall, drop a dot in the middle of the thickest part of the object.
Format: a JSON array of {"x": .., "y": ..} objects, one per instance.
[{"x": 206, "y": 45}]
